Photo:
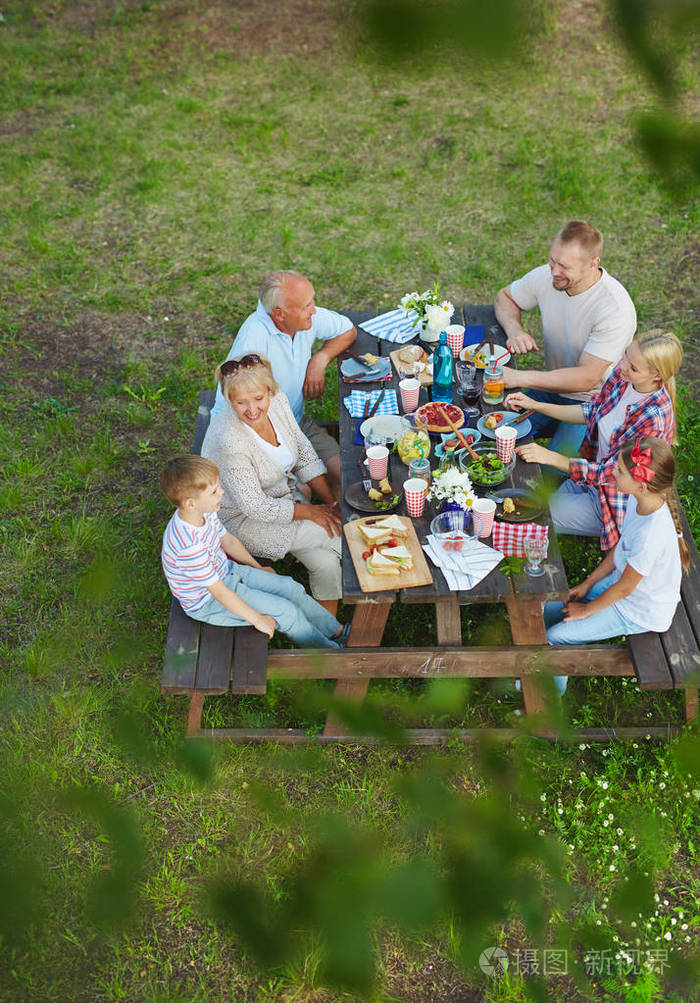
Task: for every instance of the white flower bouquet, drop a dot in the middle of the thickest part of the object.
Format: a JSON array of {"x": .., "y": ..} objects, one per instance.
[
  {"x": 428, "y": 308},
  {"x": 451, "y": 485}
]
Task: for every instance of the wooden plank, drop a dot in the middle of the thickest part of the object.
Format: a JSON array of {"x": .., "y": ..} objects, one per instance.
[
  {"x": 249, "y": 673},
  {"x": 419, "y": 574},
  {"x": 649, "y": 660},
  {"x": 681, "y": 649},
  {"x": 363, "y": 663},
  {"x": 206, "y": 403},
  {"x": 181, "y": 649},
  {"x": 438, "y": 736},
  {"x": 690, "y": 583},
  {"x": 214, "y": 665},
  {"x": 691, "y": 703}
]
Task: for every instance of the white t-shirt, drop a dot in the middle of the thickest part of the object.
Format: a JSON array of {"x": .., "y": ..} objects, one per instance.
[
  {"x": 614, "y": 419},
  {"x": 193, "y": 558},
  {"x": 649, "y": 544},
  {"x": 600, "y": 321},
  {"x": 281, "y": 454}
]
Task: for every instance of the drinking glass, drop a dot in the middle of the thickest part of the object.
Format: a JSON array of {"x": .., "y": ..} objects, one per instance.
[
  {"x": 535, "y": 548},
  {"x": 494, "y": 385}
]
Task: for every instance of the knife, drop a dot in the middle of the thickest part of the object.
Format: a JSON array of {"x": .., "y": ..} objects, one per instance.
[
  {"x": 382, "y": 394},
  {"x": 476, "y": 351},
  {"x": 516, "y": 421}
]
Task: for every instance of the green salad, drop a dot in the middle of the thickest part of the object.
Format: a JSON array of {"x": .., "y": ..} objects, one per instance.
[{"x": 488, "y": 469}]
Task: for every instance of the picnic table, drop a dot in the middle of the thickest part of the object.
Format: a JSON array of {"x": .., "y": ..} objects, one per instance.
[
  {"x": 522, "y": 594},
  {"x": 202, "y": 660}
]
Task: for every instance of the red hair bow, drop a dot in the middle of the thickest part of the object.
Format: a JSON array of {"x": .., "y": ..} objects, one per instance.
[{"x": 641, "y": 463}]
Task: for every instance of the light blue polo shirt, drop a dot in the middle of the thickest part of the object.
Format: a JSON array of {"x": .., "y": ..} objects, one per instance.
[{"x": 289, "y": 357}]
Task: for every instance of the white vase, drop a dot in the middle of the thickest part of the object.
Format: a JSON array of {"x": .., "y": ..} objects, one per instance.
[{"x": 431, "y": 332}]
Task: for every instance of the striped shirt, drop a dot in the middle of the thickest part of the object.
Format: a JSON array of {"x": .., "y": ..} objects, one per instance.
[{"x": 193, "y": 558}]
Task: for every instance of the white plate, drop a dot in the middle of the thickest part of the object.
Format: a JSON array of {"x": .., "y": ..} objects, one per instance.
[
  {"x": 497, "y": 350},
  {"x": 391, "y": 426}
]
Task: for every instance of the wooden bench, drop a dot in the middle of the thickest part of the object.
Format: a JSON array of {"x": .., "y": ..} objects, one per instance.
[{"x": 203, "y": 660}]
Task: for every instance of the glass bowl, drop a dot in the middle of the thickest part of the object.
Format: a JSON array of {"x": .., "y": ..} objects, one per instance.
[
  {"x": 455, "y": 528},
  {"x": 487, "y": 478}
]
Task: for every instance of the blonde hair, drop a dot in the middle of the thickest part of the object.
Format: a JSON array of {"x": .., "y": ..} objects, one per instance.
[
  {"x": 662, "y": 352},
  {"x": 187, "y": 476},
  {"x": 255, "y": 378},
  {"x": 664, "y": 466},
  {"x": 586, "y": 236}
]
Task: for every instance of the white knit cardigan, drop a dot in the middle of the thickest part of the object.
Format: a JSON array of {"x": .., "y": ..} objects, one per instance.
[{"x": 258, "y": 505}]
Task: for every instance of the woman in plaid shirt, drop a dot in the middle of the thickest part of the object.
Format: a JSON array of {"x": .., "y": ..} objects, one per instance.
[{"x": 637, "y": 400}]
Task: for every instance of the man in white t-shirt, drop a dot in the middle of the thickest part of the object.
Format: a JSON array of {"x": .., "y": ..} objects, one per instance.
[
  {"x": 283, "y": 328},
  {"x": 588, "y": 320}
]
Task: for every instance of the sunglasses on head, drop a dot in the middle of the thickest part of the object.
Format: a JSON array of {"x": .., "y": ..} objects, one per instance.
[{"x": 233, "y": 365}]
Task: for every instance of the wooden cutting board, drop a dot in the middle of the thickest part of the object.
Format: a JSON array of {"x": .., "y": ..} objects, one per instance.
[
  {"x": 418, "y": 575},
  {"x": 425, "y": 379}
]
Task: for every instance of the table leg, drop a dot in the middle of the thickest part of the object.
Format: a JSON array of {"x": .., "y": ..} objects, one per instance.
[
  {"x": 527, "y": 627},
  {"x": 194, "y": 718},
  {"x": 449, "y": 621},
  {"x": 368, "y": 623},
  {"x": 691, "y": 704}
]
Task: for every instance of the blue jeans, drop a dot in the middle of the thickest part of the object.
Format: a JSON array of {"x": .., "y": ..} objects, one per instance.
[
  {"x": 575, "y": 508},
  {"x": 565, "y": 438},
  {"x": 298, "y": 616},
  {"x": 608, "y": 622}
]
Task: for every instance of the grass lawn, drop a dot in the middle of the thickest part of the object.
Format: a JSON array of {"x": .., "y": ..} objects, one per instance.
[{"x": 157, "y": 158}]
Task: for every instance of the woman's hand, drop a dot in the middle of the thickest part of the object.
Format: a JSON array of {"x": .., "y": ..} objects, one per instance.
[
  {"x": 531, "y": 452},
  {"x": 325, "y": 516},
  {"x": 580, "y": 591},
  {"x": 520, "y": 401},
  {"x": 576, "y": 611}
]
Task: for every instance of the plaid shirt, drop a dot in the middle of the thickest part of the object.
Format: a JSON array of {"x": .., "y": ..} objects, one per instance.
[{"x": 652, "y": 416}]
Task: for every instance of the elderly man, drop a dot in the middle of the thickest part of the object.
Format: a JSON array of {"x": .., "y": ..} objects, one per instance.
[
  {"x": 283, "y": 328},
  {"x": 588, "y": 320}
]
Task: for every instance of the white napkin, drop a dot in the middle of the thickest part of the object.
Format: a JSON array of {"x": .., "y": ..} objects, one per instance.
[{"x": 463, "y": 569}]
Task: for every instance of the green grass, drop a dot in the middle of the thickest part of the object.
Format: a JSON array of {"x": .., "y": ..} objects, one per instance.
[{"x": 158, "y": 158}]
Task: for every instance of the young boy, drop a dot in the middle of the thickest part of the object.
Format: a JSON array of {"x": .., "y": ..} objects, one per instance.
[{"x": 212, "y": 588}]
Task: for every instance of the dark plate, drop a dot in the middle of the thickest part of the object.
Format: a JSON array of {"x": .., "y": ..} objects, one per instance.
[
  {"x": 356, "y": 496},
  {"x": 527, "y": 514}
]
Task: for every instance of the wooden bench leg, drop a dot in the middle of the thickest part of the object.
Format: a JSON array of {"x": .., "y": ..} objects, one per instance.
[
  {"x": 368, "y": 623},
  {"x": 448, "y": 621},
  {"x": 527, "y": 627},
  {"x": 194, "y": 718},
  {"x": 691, "y": 704}
]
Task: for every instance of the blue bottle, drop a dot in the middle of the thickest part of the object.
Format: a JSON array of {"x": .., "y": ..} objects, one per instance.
[{"x": 442, "y": 371}]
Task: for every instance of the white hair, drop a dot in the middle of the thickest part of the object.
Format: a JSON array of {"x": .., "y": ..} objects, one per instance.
[{"x": 272, "y": 285}]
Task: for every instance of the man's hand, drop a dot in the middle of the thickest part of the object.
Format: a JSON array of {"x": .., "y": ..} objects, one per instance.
[
  {"x": 315, "y": 378},
  {"x": 531, "y": 452},
  {"x": 511, "y": 377},
  {"x": 521, "y": 344},
  {"x": 265, "y": 624},
  {"x": 576, "y": 611}
]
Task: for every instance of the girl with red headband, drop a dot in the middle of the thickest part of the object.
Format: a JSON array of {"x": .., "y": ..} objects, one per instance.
[
  {"x": 637, "y": 399},
  {"x": 636, "y": 587}
]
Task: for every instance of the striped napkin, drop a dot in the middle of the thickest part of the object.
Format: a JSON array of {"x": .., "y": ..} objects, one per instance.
[
  {"x": 395, "y": 326},
  {"x": 508, "y": 537},
  {"x": 465, "y": 568},
  {"x": 355, "y": 402}
]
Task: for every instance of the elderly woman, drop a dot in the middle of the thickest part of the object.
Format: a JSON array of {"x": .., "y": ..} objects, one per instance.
[{"x": 263, "y": 456}]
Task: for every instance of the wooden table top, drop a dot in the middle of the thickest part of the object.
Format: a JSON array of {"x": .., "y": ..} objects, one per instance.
[{"x": 497, "y": 586}]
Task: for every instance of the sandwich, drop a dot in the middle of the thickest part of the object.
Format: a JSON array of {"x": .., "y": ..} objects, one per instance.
[
  {"x": 393, "y": 525},
  {"x": 377, "y": 564},
  {"x": 375, "y": 535},
  {"x": 398, "y": 556}
]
